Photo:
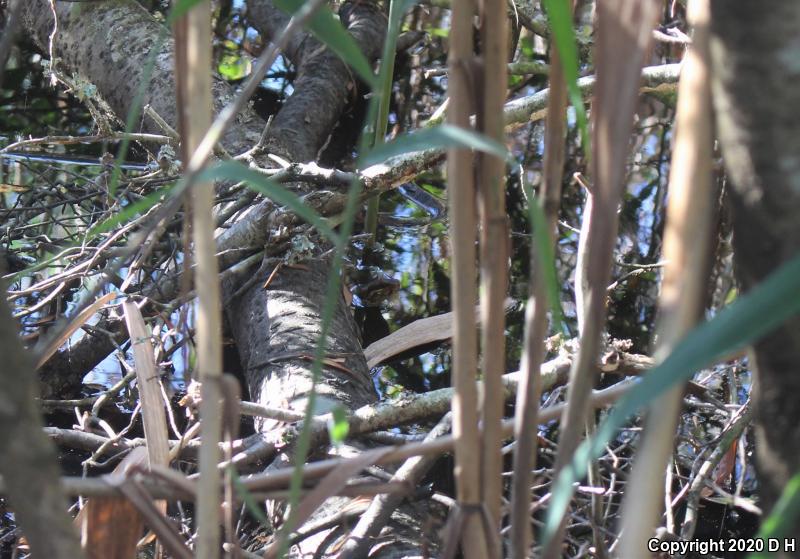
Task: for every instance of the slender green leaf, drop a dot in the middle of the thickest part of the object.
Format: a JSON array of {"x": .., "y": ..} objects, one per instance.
[
  {"x": 749, "y": 318},
  {"x": 546, "y": 259},
  {"x": 250, "y": 502},
  {"x": 385, "y": 75},
  {"x": 332, "y": 294},
  {"x": 328, "y": 29},
  {"x": 235, "y": 171},
  {"x": 560, "y": 17},
  {"x": 128, "y": 212},
  {"x": 784, "y": 517},
  {"x": 180, "y": 8},
  {"x": 138, "y": 100},
  {"x": 436, "y": 137}
]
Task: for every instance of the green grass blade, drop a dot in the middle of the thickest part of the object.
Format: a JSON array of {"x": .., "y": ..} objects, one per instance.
[
  {"x": 783, "y": 519},
  {"x": 437, "y": 137},
  {"x": 396, "y": 11},
  {"x": 385, "y": 74},
  {"x": 179, "y": 9},
  {"x": 332, "y": 292},
  {"x": 746, "y": 320},
  {"x": 128, "y": 212},
  {"x": 135, "y": 110},
  {"x": 251, "y": 503},
  {"x": 560, "y": 17},
  {"x": 329, "y": 30},
  {"x": 235, "y": 171},
  {"x": 546, "y": 258}
]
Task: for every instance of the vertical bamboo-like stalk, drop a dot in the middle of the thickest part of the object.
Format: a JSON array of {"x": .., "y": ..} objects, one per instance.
[
  {"x": 683, "y": 289},
  {"x": 493, "y": 251},
  {"x": 193, "y": 74},
  {"x": 530, "y": 389},
  {"x": 623, "y": 39},
  {"x": 461, "y": 200}
]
